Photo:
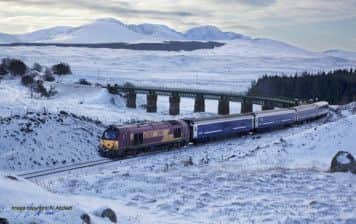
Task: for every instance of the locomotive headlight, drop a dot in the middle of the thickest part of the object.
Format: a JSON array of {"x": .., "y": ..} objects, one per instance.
[{"x": 109, "y": 144}]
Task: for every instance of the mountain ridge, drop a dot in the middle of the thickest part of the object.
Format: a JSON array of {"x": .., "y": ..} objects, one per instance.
[{"x": 112, "y": 30}]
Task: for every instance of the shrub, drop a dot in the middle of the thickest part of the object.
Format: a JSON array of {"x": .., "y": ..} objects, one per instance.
[
  {"x": 33, "y": 73},
  {"x": 27, "y": 80},
  {"x": 39, "y": 88},
  {"x": 17, "y": 67},
  {"x": 61, "y": 69},
  {"x": 2, "y": 70},
  {"x": 48, "y": 76},
  {"x": 37, "y": 67}
]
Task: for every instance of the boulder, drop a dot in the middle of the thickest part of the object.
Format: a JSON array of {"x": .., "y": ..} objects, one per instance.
[
  {"x": 85, "y": 218},
  {"x": 110, "y": 214},
  {"x": 343, "y": 162},
  {"x": 3, "y": 221},
  {"x": 106, "y": 213}
]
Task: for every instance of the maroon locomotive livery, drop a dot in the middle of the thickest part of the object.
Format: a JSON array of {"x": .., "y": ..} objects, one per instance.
[{"x": 129, "y": 139}]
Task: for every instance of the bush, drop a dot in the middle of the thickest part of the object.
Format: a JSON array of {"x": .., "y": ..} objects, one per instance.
[
  {"x": 48, "y": 76},
  {"x": 61, "y": 69},
  {"x": 37, "y": 67},
  {"x": 33, "y": 73},
  {"x": 27, "y": 80},
  {"x": 2, "y": 70},
  {"x": 16, "y": 67},
  {"x": 43, "y": 91}
]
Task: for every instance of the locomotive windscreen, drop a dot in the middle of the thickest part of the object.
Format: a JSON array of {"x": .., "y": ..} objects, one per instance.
[{"x": 111, "y": 134}]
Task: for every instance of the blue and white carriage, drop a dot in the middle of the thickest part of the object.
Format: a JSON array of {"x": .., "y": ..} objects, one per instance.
[
  {"x": 205, "y": 129},
  {"x": 274, "y": 118}
]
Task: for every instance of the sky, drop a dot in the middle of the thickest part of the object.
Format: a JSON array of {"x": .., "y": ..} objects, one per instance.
[{"x": 312, "y": 24}]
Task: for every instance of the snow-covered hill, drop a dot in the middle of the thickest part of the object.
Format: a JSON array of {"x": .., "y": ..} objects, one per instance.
[
  {"x": 210, "y": 33},
  {"x": 101, "y": 31},
  {"x": 8, "y": 38},
  {"x": 42, "y": 139},
  {"x": 341, "y": 54},
  {"x": 44, "y": 35},
  {"x": 158, "y": 31}
]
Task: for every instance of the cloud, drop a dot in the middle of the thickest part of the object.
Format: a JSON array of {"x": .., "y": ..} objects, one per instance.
[
  {"x": 256, "y": 3},
  {"x": 115, "y": 7},
  {"x": 250, "y": 17}
]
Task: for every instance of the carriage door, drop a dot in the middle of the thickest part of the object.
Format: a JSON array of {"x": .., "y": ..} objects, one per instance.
[
  {"x": 138, "y": 139},
  {"x": 177, "y": 133}
]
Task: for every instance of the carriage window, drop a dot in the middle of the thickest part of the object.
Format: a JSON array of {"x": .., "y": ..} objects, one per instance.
[
  {"x": 138, "y": 139},
  {"x": 177, "y": 133}
]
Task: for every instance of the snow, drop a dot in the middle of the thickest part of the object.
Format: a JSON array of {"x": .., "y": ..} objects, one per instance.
[
  {"x": 343, "y": 159},
  {"x": 25, "y": 202},
  {"x": 231, "y": 67},
  {"x": 210, "y": 33},
  {"x": 24, "y": 139},
  {"x": 341, "y": 54},
  {"x": 277, "y": 177},
  {"x": 44, "y": 35},
  {"x": 7, "y": 38},
  {"x": 109, "y": 30},
  {"x": 156, "y": 30}
]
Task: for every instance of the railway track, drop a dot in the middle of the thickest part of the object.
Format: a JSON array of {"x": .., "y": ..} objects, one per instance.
[
  {"x": 51, "y": 171},
  {"x": 82, "y": 165}
]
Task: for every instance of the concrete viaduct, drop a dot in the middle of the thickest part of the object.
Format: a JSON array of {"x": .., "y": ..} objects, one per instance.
[{"x": 175, "y": 94}]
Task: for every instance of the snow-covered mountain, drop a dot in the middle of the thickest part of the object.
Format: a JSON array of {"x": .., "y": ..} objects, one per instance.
[
  {"x": 341, "y": 54},
  {"x": 8, "y": 38},
  {"x": 109, "y": 30},
  {"x": 112, "y": 30},
  {"x": 100, "y": 31},
  {"x": 210, "y": 33},
  {"x": 44, "y": 35},
  {"x": 156, "y": 30}
]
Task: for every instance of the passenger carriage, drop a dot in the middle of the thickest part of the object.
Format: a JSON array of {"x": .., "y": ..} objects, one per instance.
[
  {"x": 270, "y": 119},
  {"x": 306, "y": 112},
  {"x": 206, "y": 129}
]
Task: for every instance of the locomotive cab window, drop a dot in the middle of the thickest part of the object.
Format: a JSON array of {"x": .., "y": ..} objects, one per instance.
[
  {"x": 138, "y": 139},
  {"x": 110, "y": 134},
  {"x": 177, "y": 133}
]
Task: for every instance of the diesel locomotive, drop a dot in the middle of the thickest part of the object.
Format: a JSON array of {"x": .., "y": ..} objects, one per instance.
[{"x": 130, "y": 139}]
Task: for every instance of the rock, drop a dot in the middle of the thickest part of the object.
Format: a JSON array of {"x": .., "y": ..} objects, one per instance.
[
  {"x": 106, "y": 213},
  {"x": 343, "y": 162},
  {"x": 11, "y": 178},
  {"x": 110, "y": 214},
  {"x": 3, "y": 221},
  {"x": 85, "y": 218}
]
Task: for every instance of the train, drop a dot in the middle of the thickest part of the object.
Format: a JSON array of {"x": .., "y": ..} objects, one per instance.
[{"x": 122, "y": 140}]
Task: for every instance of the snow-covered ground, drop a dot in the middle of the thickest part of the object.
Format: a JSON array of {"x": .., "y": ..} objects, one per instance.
[
  {"x": 231, "y": 67},
  {"x": 277, "y": 177}
]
